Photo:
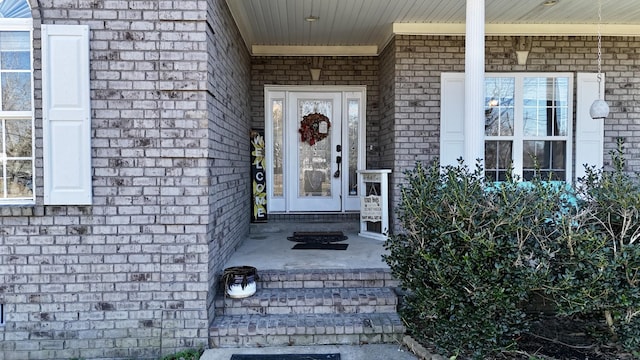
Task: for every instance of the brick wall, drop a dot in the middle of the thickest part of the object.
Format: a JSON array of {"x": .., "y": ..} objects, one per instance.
[
  {"x": 386, "y": 140},
  {"x": 228, "y": 141},
  {"x": 128, "y": 277}
]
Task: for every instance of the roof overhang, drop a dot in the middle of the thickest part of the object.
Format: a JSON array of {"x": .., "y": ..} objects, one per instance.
[{"x": 450, "y": 29}]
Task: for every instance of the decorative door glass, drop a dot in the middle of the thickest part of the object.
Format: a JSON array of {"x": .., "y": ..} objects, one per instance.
[
  {"x": 315, "y": 150},
  {"x": 278, "y": 146},
  {"x": 353, "y": 118}
]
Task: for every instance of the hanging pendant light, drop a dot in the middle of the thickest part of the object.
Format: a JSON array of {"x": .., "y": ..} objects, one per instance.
[{"x": 599, "y": 109}]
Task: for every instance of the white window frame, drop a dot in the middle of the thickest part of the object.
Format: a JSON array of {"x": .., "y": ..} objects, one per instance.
[
  {"x": 26, "y": 25},
  {"x": 587, "y": 135},
  {"x": 518, "y": 138}
]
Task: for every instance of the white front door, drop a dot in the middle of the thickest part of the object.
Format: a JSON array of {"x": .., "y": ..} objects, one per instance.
[
  {"x": 313, "y": 171},
  {"x": 314, "y": 140}
]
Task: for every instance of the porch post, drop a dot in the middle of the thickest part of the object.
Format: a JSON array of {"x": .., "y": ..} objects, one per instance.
[{"x": 474, "y": 83}]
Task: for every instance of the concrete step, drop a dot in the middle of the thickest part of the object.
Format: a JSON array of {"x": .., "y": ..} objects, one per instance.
[
  {"x": 329, "y": 278},
  {"x": 305, "y": 329},
  {"x": 280, "y": 301}
]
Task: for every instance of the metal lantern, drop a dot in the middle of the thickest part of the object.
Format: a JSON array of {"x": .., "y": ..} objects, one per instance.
[{"x": 599, "y": 109}]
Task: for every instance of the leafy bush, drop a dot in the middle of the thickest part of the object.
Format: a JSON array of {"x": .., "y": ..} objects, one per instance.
[
  {"x": 187, "y": 354},
  {"x": 597, "y": 269},
  {"x": 471, "y": 253}
]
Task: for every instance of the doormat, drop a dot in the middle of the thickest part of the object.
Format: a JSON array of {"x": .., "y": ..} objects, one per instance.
[
  {"x": 287, "y": 357},
  {"x": 318, "y": 240},
  {"x": 321, "y": 237},
  {"x": 320, "y": 246}
]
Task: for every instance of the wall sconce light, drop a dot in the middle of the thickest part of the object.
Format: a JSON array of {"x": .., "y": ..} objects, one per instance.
[
  {"x": 522, "y": 47},
  {"x": 315, "y": 67}
]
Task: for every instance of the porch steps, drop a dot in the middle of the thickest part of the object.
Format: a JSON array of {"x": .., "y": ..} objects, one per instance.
[{"x": 298, "y": 307}]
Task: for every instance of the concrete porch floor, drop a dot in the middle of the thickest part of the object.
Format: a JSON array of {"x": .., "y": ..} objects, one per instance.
[{"x": 267, "y": 247}]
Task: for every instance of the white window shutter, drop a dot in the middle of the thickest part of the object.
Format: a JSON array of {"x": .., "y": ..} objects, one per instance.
[
  {"x": 589, "y": 132},
  {"x": 451, "y": 118},
  {"x": 66, "y": 115}
]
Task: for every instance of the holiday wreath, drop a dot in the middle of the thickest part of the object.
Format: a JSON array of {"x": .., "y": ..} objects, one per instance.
[{"x": 312, "y": 128}]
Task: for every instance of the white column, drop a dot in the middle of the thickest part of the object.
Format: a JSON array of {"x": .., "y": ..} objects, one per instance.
[{"x": 474, "y": 83}]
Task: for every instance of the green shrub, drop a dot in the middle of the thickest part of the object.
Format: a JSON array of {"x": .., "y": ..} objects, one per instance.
[
  {"x": 597, "y": 269},
  {"x": 187, "y": 354},
  {"x": 470, "y": 254}
]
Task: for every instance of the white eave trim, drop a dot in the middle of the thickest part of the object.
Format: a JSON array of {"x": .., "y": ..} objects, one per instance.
[
  {"x": 276, "y": 50},
  {"x": 518, "y": 29}
]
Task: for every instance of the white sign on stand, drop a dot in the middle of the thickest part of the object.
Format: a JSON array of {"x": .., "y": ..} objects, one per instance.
[
  {"x": 371, "y": 208},
  {"x": 374, "y": 203}
]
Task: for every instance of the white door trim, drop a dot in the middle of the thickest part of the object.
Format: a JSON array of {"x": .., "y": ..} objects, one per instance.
[{"x": 280, "y": 203}]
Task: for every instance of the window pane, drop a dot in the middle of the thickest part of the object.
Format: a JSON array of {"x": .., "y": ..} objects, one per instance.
[
  {"x": 354, "y": 120},
  {"x": 18, "y": 135},
  {"x": 278, "y": 141},
  {"x": 499, "y": 95},
  {"x": 547, "y": 156},
  {"x": 19, "y": 179},
  {"x": 15, "y": 60},
  {"x": 498, "y": 155},
  {"x": 15, "y": 9},
  {"x": 15, "y": 50},
  {"x": 16, "y": 91},
  {"x": 546, "y": 106}
]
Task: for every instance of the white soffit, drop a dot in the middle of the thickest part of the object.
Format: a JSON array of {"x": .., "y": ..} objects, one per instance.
[
  {"x": 284, "y": 50},
  {"x": 518, "y": 29},
  {"x": 357, "y": 27}
]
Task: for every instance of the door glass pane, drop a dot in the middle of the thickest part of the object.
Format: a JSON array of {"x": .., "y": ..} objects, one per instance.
[
  {"x": 315, "y": 153},
  {"x": 498, "y": 111},
  {"x": 354, "y": 119},
  {"x": 498, "y": 155},
  {"x": 549, "y": 157},
  {"x": 546, "y": 106},
  {"x": 278, "y": 145}
]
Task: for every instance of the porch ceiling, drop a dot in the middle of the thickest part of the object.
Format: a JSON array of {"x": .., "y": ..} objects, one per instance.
[{"x": 363, "y": 27}]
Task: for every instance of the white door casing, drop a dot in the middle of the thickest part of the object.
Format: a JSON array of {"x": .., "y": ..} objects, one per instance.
[{"x": 306, "y": 178}]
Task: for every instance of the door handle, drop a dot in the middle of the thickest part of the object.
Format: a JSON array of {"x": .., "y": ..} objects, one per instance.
[{"x": 338, "y": 161}]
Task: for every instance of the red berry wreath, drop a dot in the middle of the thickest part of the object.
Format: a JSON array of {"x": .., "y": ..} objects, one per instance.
[{"x": 312, "y": 129}]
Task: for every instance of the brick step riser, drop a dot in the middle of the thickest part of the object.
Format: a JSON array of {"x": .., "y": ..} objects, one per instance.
[
  {"x": 310, "y": 301},
  {"x": 259, "y": 341},
  {"x": 277, "y": 330},
  {"x": 297, "y": 310},
  {"x": 276, "y": 279},
  {"x": 261, "y": 284}
]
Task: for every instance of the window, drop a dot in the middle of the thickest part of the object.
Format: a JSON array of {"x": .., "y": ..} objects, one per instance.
[
  {"x": 528, "y": 125},
  {"x": 16, "y": 104}
]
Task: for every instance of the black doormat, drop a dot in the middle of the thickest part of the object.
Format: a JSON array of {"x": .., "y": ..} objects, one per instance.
[
  {"x": 321, "y": 237},
  {"x": 320, "y": 246},
  {"x": 287, "y": 357}
]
